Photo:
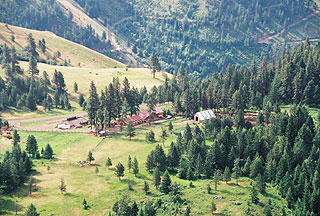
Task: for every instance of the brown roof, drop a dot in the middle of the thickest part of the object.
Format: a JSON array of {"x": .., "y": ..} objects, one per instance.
[
  {"x": 76, "y": 121},
  {"x": 142, "y": 115}
]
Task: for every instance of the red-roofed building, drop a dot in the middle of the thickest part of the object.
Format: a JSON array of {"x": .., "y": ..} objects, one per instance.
[{"x": 144, "y": 115}]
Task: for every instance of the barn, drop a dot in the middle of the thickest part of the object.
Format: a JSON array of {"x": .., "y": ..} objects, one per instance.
[{"x": 199, "y": 117}]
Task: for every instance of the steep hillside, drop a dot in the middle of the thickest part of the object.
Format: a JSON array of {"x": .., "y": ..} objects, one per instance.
[{"x": 77, "y": 54}]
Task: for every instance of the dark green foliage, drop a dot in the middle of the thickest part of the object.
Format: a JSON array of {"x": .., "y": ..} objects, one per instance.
[
  {"x": 156, "y": 178},
  {"x": 119, "y": 172},
  {"x": 130, "y": 130},
  {"x": 108, "y": 162},
  {"x": 254, "y": 195},
  {"x": 90, "y": 158},
  {"x": 227, "y": 175},
  {"x": 48, "y": 152},
  {"x": 165, "y": 183},
  {"x": 129, "y": 163},
  {"x": 63, "y": 186},
  {"x": 150, "y": 136},
  {"x": 16, "y": 137},
  {"x": 31, "y": 211},
  {"x": 146, "y": 187},
  {"x": 32, "y": 146},
  {"x": 85, "y": 205},
  {"x": 135, "y": 166}
]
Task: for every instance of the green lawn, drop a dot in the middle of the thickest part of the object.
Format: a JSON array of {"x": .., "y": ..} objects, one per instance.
[{"x": 102, "y": 190}]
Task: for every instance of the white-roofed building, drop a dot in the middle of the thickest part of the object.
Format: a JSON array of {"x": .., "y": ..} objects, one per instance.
[{"x": 204, "y": 115}]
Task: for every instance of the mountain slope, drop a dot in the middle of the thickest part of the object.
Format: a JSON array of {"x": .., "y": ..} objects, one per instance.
[{"x": 76, "y": 53}]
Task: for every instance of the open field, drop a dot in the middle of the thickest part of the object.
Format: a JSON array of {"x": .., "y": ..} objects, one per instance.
[
  {"x": 103, "y": 189},
  {"x": 138, "y": 77},
  {"x": 69, "y": 50},
  {"x": 313, "y": 111}
]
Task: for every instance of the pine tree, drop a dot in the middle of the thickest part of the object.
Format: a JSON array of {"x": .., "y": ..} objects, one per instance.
[
  {"x": 109, "y": 162},
  {"x": 236, "y": 170},
  {"x": 216, "y": 179},
  {"x": 135, "y": 167},
  {"x": 16, "y": 137},
  {"x": 208, "y": 188},
  {"x": 163, "y": 135},
  {"x": 260, "y": 183},
  {"x": 146, "y": 187},
  {"x": 63, "y": 187},
  {"x": 75, "y": 87},
  {"x": 130, "y": 130},
  {"x": 32, "y": 146},
  {"x": 48, "y": 152},
  {"x": 119, "y": 172},
  {"x": 85, "y": 204},
  {"x": 188, "y": 211},
  {"x": 31, "y": 211},
  {"x": 227, "y": 175},
  {"x": 154, "y": 65},
  {"x": 165, "y": 183},
  {"x": 93, "y": 105},
  {"x": 129, "y": 163},
  {"x": 90, "y": 158},
  {"x": 254, "y": 195},
  {"x": 156, "y": 178},
  {"x": 213, "y": 207},
  {"x": 170, "y": 127}
]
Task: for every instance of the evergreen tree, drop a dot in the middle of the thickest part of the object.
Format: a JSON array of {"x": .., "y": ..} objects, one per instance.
[
  {"x": 188, "y": 211},
  {"x": 75, "y": 87},
  {"x": 109, "y": 162},
  {"x": 130, "y": 130},
  {"x": 93, "y": 105},
  {"x": 48, "y": 152},
  {"x": 254, "y": 195},
  {"x": 165, "y": 183},
  {"x": 90, "y": 158},
  {"x": 236, "y": 170},
  {"x": 97, "y": 170},
  {"x": 213, "y": 207},
  {"x": 260, "y": 183},
  {"x": 119, "y": 172},
  {"x": 135, "y": 167},
  {"x": 154, "y": 65},
  {"x": 216, "y": 179},
  {"x": 170, "y": 127},
  {"x": 163, "y": 135},
  {"x": 31, "y": 211},
  {"x": 227, "y": 175},
  {"x": 16, "y": 137},
  {"x": 32, "y": 146},
  {"x": 129, "y": 163},
  {"x": 156, "y": 178},
  {"x": 85, "y": 204},
  {"x": 146, "y": 187}
]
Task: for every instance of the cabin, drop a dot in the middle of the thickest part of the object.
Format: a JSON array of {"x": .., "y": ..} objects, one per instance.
[
  {"x": 73, "y": 122},
  {"x": 143, "y": 116},
  {"x": 199, "y": 117}
]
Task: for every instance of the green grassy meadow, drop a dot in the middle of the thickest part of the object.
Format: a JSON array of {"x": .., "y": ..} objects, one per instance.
[{"x": 103, "y": 189}]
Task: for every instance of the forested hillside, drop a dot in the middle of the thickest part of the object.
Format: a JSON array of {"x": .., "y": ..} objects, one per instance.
[
  {"x": 210, "y": 34},
  {"x": 207, "y": 34}
]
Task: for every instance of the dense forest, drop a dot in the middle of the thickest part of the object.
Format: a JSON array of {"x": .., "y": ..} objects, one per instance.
[
  {"x": 201, "y": 35},
  {"x": 207, "y": 34}
]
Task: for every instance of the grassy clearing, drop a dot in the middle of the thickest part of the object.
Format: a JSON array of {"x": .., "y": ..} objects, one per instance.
[
  {"x": 102, "y": 190},
  {"x": 138, "y": 77},
  {"x": 69, "y": 50},
  {"x": 14, "y": 113},
  {"x": 313, "y": 111}
]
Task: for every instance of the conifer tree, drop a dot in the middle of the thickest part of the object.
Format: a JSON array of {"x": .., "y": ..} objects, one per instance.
[
  {"x": 216, "y": 179},
  {"x": 170, "y": 127},
  {"x": 31, "y": 211},
  {"x": 156, "y": 178},
  {"x": 93, "y": 105},
  {"x": 108, "y": 162},
  {"x": 16, "y": 138},
  {"x": 75, "y": 87},
  {"x": 213, "y": 207},
  {"x": 130, "y": 130},
  {"x": 32, "y": 146},
  {"x": 90, "y": 158},
  {"x": 154, "y": 65},
  {"x": 146, "y": 187},
  {"x": 163, "y": 135},
  {"x": 135, "y": 167},
  {"x": 119, "y": 172},
  {"x": 165, "y": 183},
  {"x": 129, "y": 163},
  {"x": 254, "y": 195},
  {"x": 260, "y": 183},
  {"x": 48, "y": 152},
  {"x": 236, "y": 170},
  {"x": 227, "y": 175}
]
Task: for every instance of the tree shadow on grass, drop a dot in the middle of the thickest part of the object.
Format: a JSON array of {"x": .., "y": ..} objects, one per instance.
[{"x": 271, "y": 196}]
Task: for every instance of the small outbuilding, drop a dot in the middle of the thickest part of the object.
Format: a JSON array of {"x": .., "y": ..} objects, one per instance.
[{"x": 199, "y": 117}]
